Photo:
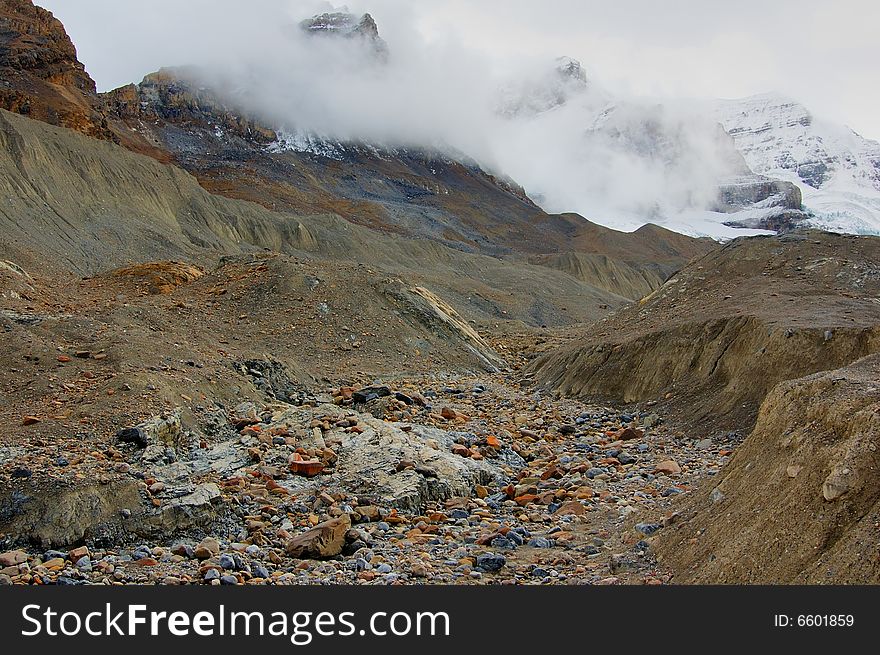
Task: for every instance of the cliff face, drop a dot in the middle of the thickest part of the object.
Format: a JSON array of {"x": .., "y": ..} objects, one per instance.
[{"x": 40, "y": 76}]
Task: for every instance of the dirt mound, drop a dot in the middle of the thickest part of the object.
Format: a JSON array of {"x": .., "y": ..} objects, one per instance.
[
  {"x": 161, "y": 277},
  {"x": 715, "y": 339},
  {"x": 800, "y": 501}
]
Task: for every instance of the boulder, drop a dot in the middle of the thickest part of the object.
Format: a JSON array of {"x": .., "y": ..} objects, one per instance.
[{"x": 323, "y": 541}]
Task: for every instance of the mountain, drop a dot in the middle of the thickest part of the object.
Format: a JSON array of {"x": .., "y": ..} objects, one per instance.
[
  {"x": 836, "y": 170},
  {"x": 627, "y": 161},
  {"x": 339, "y": 24}
]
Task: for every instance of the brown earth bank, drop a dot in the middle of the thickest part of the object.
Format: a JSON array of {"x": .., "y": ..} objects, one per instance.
[
  {"x": 799, "y": 503},
  {"x": 717, "y": 337}
]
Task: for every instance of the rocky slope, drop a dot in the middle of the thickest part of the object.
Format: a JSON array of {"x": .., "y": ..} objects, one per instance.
[
  {"x": 90, "y": 206},
  {"x": 716, "y": 338},
  {"x": 799, "y": 502}
]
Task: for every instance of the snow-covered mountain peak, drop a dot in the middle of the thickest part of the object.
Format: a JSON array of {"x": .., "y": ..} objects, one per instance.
[
  {"x": 541, "y": 90},
  {"x": 837, "y": 170}
]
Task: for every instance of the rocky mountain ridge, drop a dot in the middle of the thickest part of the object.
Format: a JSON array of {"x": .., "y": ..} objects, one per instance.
[{"x": 836, "y": 170}]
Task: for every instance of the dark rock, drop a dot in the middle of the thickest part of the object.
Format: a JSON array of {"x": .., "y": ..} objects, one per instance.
[
  {"x": 370, "y": 393},
  {"x": 135, "y": 436},
  {"x": 491, "y": 562}
]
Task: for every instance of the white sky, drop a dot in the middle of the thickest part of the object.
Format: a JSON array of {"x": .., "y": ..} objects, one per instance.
[{"x": 824, "y": 54}]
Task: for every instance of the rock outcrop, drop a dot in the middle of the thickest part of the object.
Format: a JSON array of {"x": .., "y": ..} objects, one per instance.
[
  {"x": 349, "y": 26},
  {"x": 40, "y": 75}
]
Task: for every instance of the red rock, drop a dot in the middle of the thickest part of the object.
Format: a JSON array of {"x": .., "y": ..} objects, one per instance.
[
  {"x": 629, "y": 434},
  {"x": 448, "y": 413},
  {"x": 462, "y": 451},
  {"x": 77, "y": 553},
  {"x": 525, "y": 499},
  {"x": 13, "y": 558},
  {"x": 306, "y": 467},
  {"x": 669, "y": 467}
]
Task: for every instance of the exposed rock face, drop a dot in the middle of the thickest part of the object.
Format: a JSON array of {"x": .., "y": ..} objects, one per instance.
[
  {"x": 799, "y": 502},
  {"x": 368, "y": 460},
  {"x": 175, "y": 95},
  {"x": 532, "y": 96},
  {"x": 837, "y": 170},
  {"x": 722, "y": 332},
  {"x": 70, "y": 514},
  {"x": 434, "y": 313},
  {"x": 349, "y": 26},
  {"x": 767, "y": 204},
  {"x": 40, "y": 76}
]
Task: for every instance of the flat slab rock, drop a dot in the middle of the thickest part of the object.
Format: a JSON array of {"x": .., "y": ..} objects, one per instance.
[{"x": 368, "y": 462}]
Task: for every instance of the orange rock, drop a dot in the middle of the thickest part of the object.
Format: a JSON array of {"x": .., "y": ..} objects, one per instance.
[
  {"x": 494, "y": 442},
  {"x": 628, "y": 434},
  {"x": 571, "y": 508},
  {"x": 525, "y": 499},
  {"x": 307, "y": 468}
]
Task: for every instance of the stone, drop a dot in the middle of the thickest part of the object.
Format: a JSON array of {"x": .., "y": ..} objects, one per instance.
[
  {"x": 629, "y": 434},
  {"x": 838, "y": 483},
  {"x": 323, "y": 541},
  {"x": 370, "y": 393},
  {"x": 669, "y": 467},
  {"x": 368, "y": 513},
  {"x": 648, "y": 528},
  {"x": 13, "y": 558},
  {"x": 571, "y": 508},
  {"x": 161, "y": 431},
  {"x": 209, "y": 547},
  {"x": 491, "y": 562},
  {"x": 78, "y": 553}
]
